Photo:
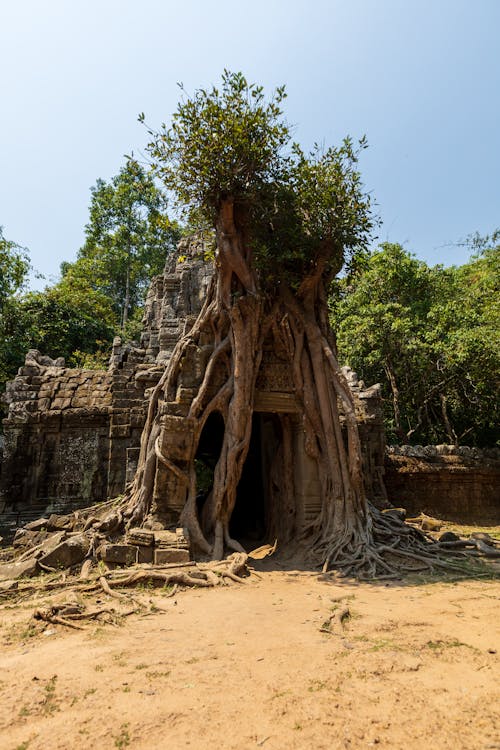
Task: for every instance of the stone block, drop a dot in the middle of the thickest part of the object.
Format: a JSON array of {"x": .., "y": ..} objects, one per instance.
[
  {"x": 14, "y": 570},
  {"x": 24, "y": 538},
  {"x": 140, "y": 537},
  {"x": 38, "y": 525},
  {"x": 69, "y": 552},
  {"x": 120, "y": 554},
  {"x": 165, "y": 538},
  {"x": 57, "y": 523},
  {"x": 171, "y": 555},
  {"x": 145, "y": 554},
  {"x": 177, "y": 437},
  {"x": 119, "y": 431}
]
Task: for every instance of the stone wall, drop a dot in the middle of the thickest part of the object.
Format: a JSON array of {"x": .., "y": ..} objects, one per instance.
[
  {"x": 455, "y": 483},
  {"x": 67, "y": 431}
]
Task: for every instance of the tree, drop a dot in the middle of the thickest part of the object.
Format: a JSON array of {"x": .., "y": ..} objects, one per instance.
[
  {"x": 14, "y": 267},
  {"x": 127, "y": 238},
  {"x": 430, "y": 336},
  {"x": 284, "y": 224}
]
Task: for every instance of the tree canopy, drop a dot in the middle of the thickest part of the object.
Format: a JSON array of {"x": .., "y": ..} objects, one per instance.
[
  {"x": 128, "y": 237},
  {"x": 431, "y": 337},
  {"x": 14, "y": 267},
  {"x": 299, "y": 213}
]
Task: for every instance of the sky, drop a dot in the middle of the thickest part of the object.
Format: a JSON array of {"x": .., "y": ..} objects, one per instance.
[{"x": 421, "y": 78}]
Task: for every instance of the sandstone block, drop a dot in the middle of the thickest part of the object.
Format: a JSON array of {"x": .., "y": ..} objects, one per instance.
[
  {"x": 14, "y": 570},
  {"x": 165, "y": 538},
  {"x": 141, "y": 537},
  {"x": 57, "y": 523},
  {"x": 120, "y": 430},
  {"x": 70, "y": 552},
  {"x": 120, "y": 554},
  {"x": 24, "y": 538},
  {"x": 145, "y": 554},
  {"x": 171, "y": 555}
]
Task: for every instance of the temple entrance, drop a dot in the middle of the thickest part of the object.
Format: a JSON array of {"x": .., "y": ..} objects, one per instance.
[
  {"x": 265, "y": 501},
  {"x": 256, "y": 493},
  {"x": 248, "y": 522}
]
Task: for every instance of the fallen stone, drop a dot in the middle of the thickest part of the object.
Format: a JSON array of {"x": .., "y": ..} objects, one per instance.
[
  {"x": 13, "y": 571},
  {"x": 69, "y": 552},
  {"x": 59, "y": 523},
  {"x": 38, "y": 525},
  {"x": 483, "y": 537},
  {"x": 171, "y": 555},
  {"x": 118, "y": 554},
  {"x": 110, "y": 522},
  {"x": 430, "y": 524},
  {"x": 24, "y": 538},
  {"x": 8, "y": 585}
]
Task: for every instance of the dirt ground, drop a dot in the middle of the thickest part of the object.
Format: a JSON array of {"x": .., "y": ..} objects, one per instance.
[{"x": 258, "y": 665}]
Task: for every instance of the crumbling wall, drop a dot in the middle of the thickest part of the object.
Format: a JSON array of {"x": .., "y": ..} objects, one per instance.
[
  {"x": 460, "y": 484},
  {"x": 67, "y": 431}
]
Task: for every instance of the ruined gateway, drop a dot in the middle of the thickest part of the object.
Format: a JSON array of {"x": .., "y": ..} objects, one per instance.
[{"x": 72, "y": 436}]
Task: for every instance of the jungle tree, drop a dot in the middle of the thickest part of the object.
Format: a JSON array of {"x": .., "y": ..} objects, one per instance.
[
  {"x": 127, "y": 238},
  {"x": 285, "y": 223}
]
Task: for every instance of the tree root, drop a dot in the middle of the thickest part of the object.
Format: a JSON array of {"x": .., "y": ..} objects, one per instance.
[
  {"x": 388, "y": 548},
  {"x": 337, "y": 618}
]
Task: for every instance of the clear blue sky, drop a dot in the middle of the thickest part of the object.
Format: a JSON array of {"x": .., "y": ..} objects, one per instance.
[{"x": 420, "y": 77}]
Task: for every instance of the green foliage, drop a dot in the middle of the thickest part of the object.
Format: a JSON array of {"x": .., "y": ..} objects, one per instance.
[
  {"x": 127, "y": 239},
  {"x": 297, "y": 212},
  {"x": 222, "y": 142},
  {"x": 14, "y": 266},
  {"x": 319, "y": 219},
  {"x": 431, "y": 337}
]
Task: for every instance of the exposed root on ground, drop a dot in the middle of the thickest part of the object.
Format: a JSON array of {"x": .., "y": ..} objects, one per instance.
[{"x": 117, "y": 583}]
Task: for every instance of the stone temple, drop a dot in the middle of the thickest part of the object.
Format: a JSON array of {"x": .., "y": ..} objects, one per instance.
[{"x": 71, "y": 437}]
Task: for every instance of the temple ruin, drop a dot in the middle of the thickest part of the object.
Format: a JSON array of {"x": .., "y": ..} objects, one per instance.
[{"x": 72, "y": 436}]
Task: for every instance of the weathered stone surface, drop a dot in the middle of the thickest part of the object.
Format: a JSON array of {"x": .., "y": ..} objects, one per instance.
[
  {"x": 141, "y": 537},
  {"x": 38, "y": 525},
  {"x": 171, "y": 555},
  {"x": 14, "y": 570},
  {"x": 457, "y": 483},
  {"x": 24, "y": 538},
  {"x": 69, "y": 552},
  {"x": 145, "y": 554},
  {"x": 8, "y": 585},
  {"x": 118, "y": 554},
  {"x": 165, "y": 538},
  {"x": 59, "y": 523}
]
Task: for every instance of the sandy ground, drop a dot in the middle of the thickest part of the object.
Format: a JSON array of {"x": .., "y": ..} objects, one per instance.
[{"x": 247, "y": 666}]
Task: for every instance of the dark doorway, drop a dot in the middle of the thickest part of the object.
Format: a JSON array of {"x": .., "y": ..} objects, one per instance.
[
  {"x": 248, "y": 521},
  {"x": 259, "y": 489},
  {"x": 207, "y": 455}
]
